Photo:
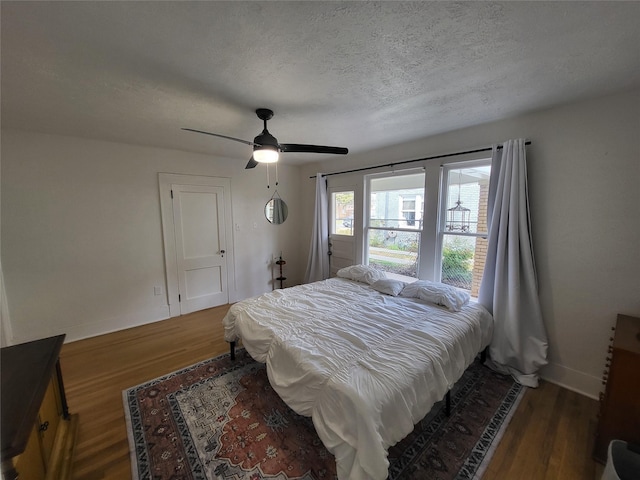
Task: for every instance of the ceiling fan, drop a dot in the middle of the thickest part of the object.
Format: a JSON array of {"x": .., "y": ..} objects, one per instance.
[{"x": 266, "y": 147}]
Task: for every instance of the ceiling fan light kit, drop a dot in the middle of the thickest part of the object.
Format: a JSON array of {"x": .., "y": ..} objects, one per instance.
[
  {"x": 266, "y": 154},
  {"x": 266, "y": 148}
]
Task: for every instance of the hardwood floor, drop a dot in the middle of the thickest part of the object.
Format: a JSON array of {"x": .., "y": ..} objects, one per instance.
[
  {"x": 550, "y": 436},
  {"x": 96, "y": 370}
]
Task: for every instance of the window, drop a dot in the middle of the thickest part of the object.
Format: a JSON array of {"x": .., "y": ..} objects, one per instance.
[
  {"x": 342, "y": 213},
  {"x": 409, "y": 209},
  {"x": 428, "y": 222},
  {"x": 463, "y": 224},
  {"x": 394, "y": 224}
]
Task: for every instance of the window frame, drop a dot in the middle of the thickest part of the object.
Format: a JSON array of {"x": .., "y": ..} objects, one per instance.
[
  {"x": 332, "y": 213},
  {"x": 430, "y": 250},
  {"x": 445, "y": 169},
  {"x": 419, "y": 228}
]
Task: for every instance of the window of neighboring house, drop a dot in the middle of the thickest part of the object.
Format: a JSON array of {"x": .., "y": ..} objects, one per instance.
[
  {"x": 463, "y": 224},
  {"x": 394, "y": 222},
  {"x": 410, "y": 205},
  {"x": 342, "y": 208}
]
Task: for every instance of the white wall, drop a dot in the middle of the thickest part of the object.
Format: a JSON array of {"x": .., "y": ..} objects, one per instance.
[
  {"x": 584, "y": 191},
  {"x": 82, "y": 245},
  {"x": 82, "y": 242}
]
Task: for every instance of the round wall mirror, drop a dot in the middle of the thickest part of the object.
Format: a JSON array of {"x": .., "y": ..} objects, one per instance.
[{"x": 276, "y": 211}]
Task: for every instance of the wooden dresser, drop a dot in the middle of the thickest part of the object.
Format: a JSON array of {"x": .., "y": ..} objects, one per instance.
[
  {"x": 38, "y": 434},
  {"x": 619, "y": 416}
]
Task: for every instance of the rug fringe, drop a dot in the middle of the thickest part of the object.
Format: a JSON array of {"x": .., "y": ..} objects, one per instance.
[
  {"x": 498, "y": 437},
  {"x": 132, "y": 453}
]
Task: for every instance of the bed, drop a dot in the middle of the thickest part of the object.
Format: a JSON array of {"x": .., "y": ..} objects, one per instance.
[{"x": 364, "y": 362}]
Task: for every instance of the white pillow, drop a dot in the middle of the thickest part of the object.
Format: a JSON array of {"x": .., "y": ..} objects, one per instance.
[
  {"x": 361, "y": 273},
  {"x": 389, "y": 286},
  {"x": 439, "y": 293}
]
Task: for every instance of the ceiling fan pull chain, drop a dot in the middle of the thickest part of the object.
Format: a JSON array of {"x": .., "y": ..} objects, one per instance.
[
  {"x": 268, "y": 186},
  {"x": 276, "y": 174}
]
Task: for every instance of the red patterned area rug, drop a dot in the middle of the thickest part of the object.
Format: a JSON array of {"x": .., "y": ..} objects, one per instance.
[{"x": 221, "y": 420}]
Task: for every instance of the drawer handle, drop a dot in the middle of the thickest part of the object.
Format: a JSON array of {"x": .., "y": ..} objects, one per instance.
[{"x": 44, "y": 426}]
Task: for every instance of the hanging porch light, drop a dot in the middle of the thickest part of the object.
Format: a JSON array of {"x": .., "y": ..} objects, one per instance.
[{"x": 458, "y": 217}]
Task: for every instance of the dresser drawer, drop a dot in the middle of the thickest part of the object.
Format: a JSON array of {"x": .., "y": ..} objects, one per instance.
[
  {"x": 38, "y": 433},
  {"x": 30, "y": 463},
  {"x": 49, "y": 419},
  {"x": 620, "y": 407}
]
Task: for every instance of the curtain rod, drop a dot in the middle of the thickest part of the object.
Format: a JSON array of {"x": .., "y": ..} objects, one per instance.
[{"x": 445, "y": 155}]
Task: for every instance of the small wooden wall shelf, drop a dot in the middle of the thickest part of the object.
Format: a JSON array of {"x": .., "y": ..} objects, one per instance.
[{"x": 281, "y": 278}]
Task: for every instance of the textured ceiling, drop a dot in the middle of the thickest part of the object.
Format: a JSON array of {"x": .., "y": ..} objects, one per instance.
[{"x": 355, "y": 74}]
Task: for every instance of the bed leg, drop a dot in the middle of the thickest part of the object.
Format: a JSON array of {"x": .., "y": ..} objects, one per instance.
[
  {"x": 447, "y": 404},
  {"x": 232, "y": 350}
]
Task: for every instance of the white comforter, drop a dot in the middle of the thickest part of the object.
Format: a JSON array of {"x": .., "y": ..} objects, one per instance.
[{"x": 365, "y": 366}]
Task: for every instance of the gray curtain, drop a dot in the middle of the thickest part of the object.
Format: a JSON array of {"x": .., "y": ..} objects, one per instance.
[
  {"x": 509, "y": 287},
  {"x": 279, "y": 211},
  {"x": 318, "y": 264}
]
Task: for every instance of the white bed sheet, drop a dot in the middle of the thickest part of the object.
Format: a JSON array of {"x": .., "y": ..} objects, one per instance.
[{"x": 363, "y": 365}]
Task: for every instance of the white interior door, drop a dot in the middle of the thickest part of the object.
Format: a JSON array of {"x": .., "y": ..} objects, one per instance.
[{"x": 199, "y": 224}]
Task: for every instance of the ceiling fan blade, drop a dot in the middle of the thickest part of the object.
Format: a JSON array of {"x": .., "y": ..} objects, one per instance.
[
  {"x": 252, "y": 163},
  {"x": 295, "y": 147},
  {"x": 221, "y": 136}
]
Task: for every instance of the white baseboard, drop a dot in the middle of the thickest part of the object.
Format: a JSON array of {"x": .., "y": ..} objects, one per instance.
[
  {"x": 573, "y": 380},
  {"x": 80, "y": 332},
  {"x": 114, "y": 324}
]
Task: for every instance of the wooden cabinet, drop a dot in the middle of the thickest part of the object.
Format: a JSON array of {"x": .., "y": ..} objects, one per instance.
[
  {"x": 38, "y": 433},
  {"x": 620, "y": 403}
]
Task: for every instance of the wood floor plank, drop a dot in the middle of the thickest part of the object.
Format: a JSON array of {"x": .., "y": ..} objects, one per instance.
[
  {"x": 559, "y": 453},
  {"x": 550, "y": 436}
]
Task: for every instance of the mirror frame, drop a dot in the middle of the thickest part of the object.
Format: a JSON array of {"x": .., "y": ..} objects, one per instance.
[{"x": 269, "y": 208}]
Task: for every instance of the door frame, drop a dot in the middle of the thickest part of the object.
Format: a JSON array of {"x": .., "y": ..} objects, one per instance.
[
  {"x": 338, "y": 240},
  {"x": 165, "y": 181},
  {"x": 355, "y": 183}
]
